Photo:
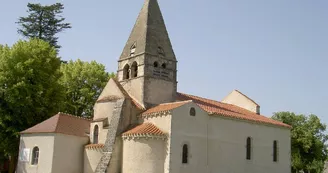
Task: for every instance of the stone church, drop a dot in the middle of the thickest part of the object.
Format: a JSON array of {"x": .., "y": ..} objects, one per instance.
[{"x": 142, "y": 124}]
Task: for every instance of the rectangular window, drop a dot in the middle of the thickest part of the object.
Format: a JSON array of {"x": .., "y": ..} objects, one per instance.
[
  {"x": 248, "y": 148},
  {"x": 275, "y": 151},
  {"x": 185, "y": 154}
]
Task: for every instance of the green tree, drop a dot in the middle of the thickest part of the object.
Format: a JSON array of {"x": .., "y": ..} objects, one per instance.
[
  {"x": 83, "y": 82},
  {"x": 29, "y": 89},
  {"x": 308, "y": 149},
  {"x": 43, "y": 22}
]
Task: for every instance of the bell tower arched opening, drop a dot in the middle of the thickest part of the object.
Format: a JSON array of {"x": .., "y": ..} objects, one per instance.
[
  {"x": 134, "y": 69},
  {"x": 126, "y": 72}
]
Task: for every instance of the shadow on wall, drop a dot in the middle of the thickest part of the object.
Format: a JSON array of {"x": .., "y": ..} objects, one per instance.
[
  {"x": 21, "y": 165},
  {"x": 91, "y": 159},
  {"x": 87, "y": 163}
]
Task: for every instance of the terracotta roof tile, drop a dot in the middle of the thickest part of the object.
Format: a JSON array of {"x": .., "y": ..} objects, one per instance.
[
  {"x": 62, "y": 123},
  {"x": 164, "y": 107},
  {"x": 145, "y": 129},
  {"x": 223, "y": 109},
  {"x": 94, "y": 146}
]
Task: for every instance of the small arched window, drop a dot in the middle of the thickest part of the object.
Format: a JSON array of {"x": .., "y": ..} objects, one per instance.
[
  {"x": 133, "y": 49},
  {"x": 192, "y": 112},
  {"x": 275, "y": 151},
  {"x": 185, "y": 154},
  {"x": 164, "y": 65},
  {"x": 156, "y": 64},
  {"x": 126, "y": 72},
  {"x": 134, "y": 69},
  {"x": 248, "y": 148},
  {"x": 35, "y": 155},
  {"x": 95, "y": 134}
]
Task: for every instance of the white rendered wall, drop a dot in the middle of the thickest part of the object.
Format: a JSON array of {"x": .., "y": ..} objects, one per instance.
[
  {"x": 45, "y": 142},
  {"x": 115, "y": 165},
  {"x": 143, "y": 156},
  {"x": 102, "y": 133},
  {"x": 218, "y": 144},
  {"x": 241, "y": 100},
  {"x": 186, "y": 129},
  {"x": 93, "y": 156},
  {"x": 103, "y": 110},
  {"x": 68, "y": 153},
  {"x": 164, "y": 124},
  {"x": 91, "y": 159}
]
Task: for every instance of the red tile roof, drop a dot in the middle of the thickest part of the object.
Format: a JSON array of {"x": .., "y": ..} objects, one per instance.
[
  {"x": 145, "y": 129},
  {"x": 228, "y": 110},
  {"x": 164, "y": 107},
  {"x": 94, "y": 146},
  {"x": 62, "y": 123}
]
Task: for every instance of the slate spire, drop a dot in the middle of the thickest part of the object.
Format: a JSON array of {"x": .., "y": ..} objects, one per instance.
[{"x": 149, "y": 34}]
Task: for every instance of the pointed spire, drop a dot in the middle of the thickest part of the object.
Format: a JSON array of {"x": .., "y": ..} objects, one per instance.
[{"x": 149, "y": 34}]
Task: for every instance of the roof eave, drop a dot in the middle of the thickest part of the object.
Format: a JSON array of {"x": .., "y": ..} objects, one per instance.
[{"x": 252, "y": 121}]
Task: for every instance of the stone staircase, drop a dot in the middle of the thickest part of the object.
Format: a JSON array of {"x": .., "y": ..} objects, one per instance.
[{"x": 111, "y": 137}]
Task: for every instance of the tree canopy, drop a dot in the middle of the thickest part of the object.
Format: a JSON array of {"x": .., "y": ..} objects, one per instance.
[
  {"x": 83, "y": 83},
  {"x": 308, "y": 149},
  {"x": 43, "y": 22},
  {"x": 29, "y": 89},
  {"x": 35, "y": 85}
]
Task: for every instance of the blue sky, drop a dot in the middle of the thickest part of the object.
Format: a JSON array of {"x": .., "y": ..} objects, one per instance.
[{"x": 276, "y": 51}]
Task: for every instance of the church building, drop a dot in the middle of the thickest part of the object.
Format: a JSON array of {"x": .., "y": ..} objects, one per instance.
[{"x": 142, "y": 124}]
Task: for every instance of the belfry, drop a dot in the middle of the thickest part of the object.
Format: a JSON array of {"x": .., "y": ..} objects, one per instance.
[{"x": 147, "y": 65}]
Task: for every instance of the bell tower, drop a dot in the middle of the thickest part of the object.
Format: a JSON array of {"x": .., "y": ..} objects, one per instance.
[{"x": 147, "y": 68}]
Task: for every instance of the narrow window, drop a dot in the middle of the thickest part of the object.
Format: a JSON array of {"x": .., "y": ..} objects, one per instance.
[
  {"x": 192, "y": 112},
  {"x": 160, "y": 51},
  {"x": 133, "y": 49},
  {"x": 185, "y": 154},
  {"x": 248, "y": 148},
  {"x": 35, "y": 155},
  {"x": 275, "y": 151},
  {"x": 164, "y": 65},
  {"x": 126, "y": 72},
  {"x": 134, "y": 69},
  {"x": 95, "y": 134},
  {"x": 156, "y": 64}
]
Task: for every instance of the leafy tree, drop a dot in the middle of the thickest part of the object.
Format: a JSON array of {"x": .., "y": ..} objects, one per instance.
[
  {"x": 29, "y": 89},
  {"x": 43, "y": 22},
  {"x": 83, "y": 82},
  {"x": 308, "y": 149}
]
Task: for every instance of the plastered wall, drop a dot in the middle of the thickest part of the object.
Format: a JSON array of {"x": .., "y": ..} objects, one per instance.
[{"x": 218, "y": 144}]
